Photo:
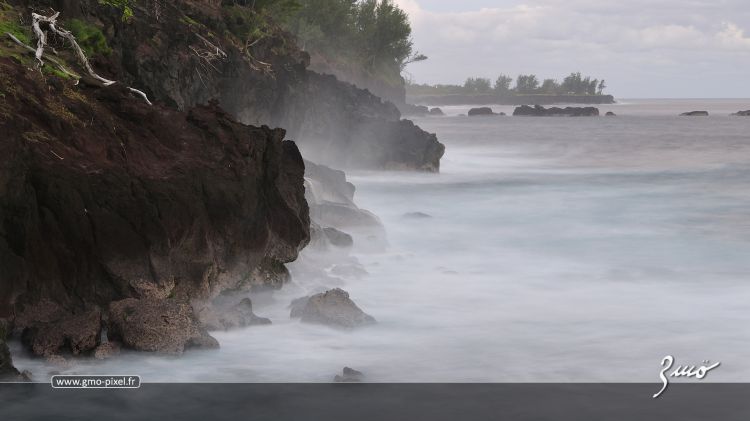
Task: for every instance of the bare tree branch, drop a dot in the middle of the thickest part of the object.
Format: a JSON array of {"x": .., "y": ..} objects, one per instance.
[{"x": 41, "y": 24}]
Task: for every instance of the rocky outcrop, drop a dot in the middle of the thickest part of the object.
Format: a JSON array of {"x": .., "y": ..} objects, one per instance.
[
  {"x": 74, "y": 333},
  {"x": 394, "y": 91},
  {"x": 742, "y": 113},
  {"x": 410, "y": 110},
  {"x": 107, "y": 350},
  {"x": 695, "y": 114},
  {"x": 539, "y": 111},
  {"x": 346, "y": 127},
  {"x": 332, "y": 308},
  {"x": 490, "y": 99},
  {"x": 483, "y": 112},
  {"x": 334, "y": 214},
  {"x": 436, "y": 112},
  {"x": 222, "y": 315},
  {"x": 102, "y": 195},
  {"x": 610, "y": 114},
  {"x": 163, "y": 326}
]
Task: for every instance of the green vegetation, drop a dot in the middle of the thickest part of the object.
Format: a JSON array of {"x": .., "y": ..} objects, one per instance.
[
  {"x": 89, "y": 37},
  {"x": 10, "y": 23},
  {"x": 125, "y": 5},
  {"x": 371, "y": 35},
  {"x": 573, "y": 84}
]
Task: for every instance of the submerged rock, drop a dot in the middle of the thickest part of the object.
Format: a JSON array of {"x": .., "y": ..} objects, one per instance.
[
  {"x": 742, "y": 113},
  {"x": 164, "y": 326},
  {"x": 611, "y": 114},
  {"x": 436, "y": 112},
  {"x": 417, "y": 215},
  {"x": 338, "y": 238},
  {"x": 332, "y": 308},
  {"x": 225, "y": 317},
  {"x": 409, "y": 110},
  {"x": 349, "y": 375},
  {"x": 332, "y": 207},
  {"x": 481, "y": 111},
  {"x": 695, "y": 114},
  {"x": 539, "y": 111}
]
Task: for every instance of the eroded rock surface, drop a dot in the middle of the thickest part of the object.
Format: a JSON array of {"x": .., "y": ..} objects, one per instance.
[
  {"x": 106, "y": 198},
  {"x": 220, "y": 316},
  {"x": 163, "y": 326},
  {"x": 332, "y": 308}
]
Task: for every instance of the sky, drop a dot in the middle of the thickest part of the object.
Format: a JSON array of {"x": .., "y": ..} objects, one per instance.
[{"x": 642, "y": 48}]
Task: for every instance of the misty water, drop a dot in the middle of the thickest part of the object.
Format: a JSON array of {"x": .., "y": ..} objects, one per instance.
[{"x": 558, "y": 249}]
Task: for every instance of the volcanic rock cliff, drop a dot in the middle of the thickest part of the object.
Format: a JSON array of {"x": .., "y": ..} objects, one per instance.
[
  {"x": 187, "y": 52},
  {"x": 105, "y": 198}
]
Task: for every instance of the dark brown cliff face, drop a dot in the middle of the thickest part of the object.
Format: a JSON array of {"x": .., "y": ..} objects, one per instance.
[
  {"x": 100, "y": 192},
  {"x": 159, "y": 50}
]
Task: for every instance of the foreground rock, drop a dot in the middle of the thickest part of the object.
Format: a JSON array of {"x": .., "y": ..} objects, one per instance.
[
  {"x": 349, "y": 375},
  {"x": 223, "y": 316},
  {"x": 695, "y": 114},
  {"x": 164, "y": 326},
  {"x": 107, "y": 350},
  {"x": 74, "y": 333},
  {"x": 742, "y": 113},
  {"x": 104, "y": 195},
  {"x": 539, "y": 111},
  {"x": 332, "y": 308}
]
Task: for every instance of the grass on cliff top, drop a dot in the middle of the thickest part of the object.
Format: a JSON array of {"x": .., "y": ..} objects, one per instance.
[
  {"x": 10, "y": 22},
  {"x": 89, "y": 37},
  {"x": 125, "y": 5}
]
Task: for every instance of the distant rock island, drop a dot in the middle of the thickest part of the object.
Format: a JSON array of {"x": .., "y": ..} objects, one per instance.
[
  {"x": 488, "y": 99},
  {"x": 695, "y": 114},
  {"x": 522, "y": 90},
  {"x": 539, "y": 111}
]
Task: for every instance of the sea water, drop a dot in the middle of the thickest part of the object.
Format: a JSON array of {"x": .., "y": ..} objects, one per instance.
[{"x": 556, "y": 250}]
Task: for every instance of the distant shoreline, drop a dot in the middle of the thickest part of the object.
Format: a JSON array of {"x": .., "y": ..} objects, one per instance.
[{"x": 461, "y": 99}]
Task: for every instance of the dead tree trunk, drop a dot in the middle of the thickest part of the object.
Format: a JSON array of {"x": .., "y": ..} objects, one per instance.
[{"x": 42, "y": 26}]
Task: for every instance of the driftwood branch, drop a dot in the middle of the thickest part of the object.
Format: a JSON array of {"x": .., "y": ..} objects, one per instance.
[
  {"x": 44, "y": 24},
  {"x": 53, "y": 61}
]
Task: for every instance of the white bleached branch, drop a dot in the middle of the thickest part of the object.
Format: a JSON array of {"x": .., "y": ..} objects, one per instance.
[{"x": 42, "y": 24}]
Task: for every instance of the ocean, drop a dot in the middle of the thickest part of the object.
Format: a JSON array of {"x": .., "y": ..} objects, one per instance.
[{"x": 555, "y": 250}]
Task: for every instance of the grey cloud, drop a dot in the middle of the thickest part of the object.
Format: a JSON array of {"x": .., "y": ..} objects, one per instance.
[{"x": 643, "y": 48}]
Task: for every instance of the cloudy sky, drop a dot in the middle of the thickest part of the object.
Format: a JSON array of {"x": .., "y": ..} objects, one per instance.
[{"x": 643, "y": 48}]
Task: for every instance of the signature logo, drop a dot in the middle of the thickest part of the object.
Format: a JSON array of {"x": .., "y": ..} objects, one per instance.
[{"x": 699, "y": 372}]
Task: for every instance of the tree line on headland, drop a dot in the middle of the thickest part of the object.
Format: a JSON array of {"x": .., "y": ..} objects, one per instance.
[
  {"x": 573, "y": 84},
  {"x": 371, "y": 36}
]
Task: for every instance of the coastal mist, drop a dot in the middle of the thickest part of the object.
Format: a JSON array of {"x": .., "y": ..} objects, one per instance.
[{"x": 547, "y": 249}]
